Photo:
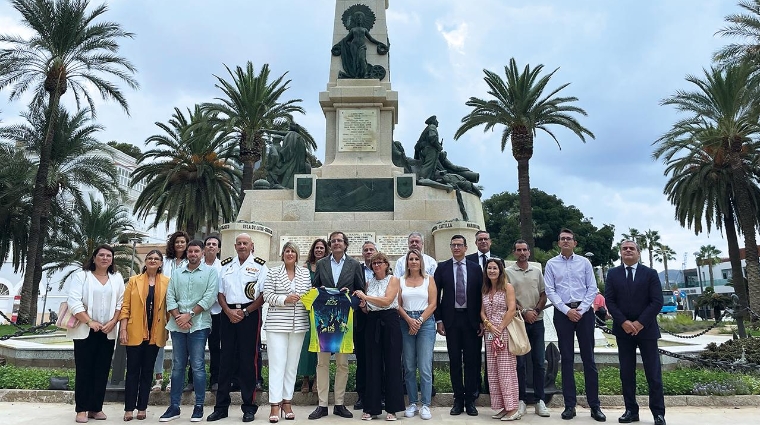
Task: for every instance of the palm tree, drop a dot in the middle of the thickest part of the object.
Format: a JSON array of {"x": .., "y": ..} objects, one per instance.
[
  {"x": 251, "y": 105},
  {"x": 744, "y": 26},
  {"x": 77, "y": 163},
  {"x": 16, "y": 184},
  {"x": 651, "y": 242},
  {"x": 663, "y": 254},
  {"x": 91, "y": 224},
  {"x": 522, "y": 107},
  {"x": 191, "y": 176},
  {"x": 68, "y": 50},
  {"x": 709, "y": 255},
  {"x": 723, "y": 116}
]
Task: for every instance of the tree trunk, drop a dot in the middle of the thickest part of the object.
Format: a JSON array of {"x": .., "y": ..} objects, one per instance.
[
  {"x": 737, "y": 275},
  {"x": 30, "y": 287},
  {"x": 665, "y": 264},
  {"x": 651, "y": 258},
  {"x": 710, "y": 271},
  {"x": 522, "y": 150}
]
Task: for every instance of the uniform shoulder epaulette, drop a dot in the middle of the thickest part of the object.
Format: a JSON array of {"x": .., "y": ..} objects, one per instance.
[
  {"x": 259, "y": 260},
  {"x": 226, "y": 261}
]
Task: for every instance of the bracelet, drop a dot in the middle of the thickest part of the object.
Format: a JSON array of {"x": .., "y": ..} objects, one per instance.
[
  {"x": 421, "y": 319},
  {"x": 88, "y": 322}
]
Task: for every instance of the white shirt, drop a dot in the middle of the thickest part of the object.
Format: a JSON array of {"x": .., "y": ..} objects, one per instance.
[
  {"x": 170, "y": 265},
  {"x": 480, "y": 258},
  {"x": 236, "y": 276},
  {"x": 430, "y": 265},
  {"x": 216, "y": 308}
]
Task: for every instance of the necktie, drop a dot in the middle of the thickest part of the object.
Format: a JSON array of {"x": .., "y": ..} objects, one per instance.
[
  {"x": 461, "y": 297},
  {"x": 483, "y": 260},
  {"x": 629, "y": 276}
]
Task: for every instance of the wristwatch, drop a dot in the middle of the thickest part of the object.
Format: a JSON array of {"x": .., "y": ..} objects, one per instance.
[
  {"x": 192, "y": 314},
  {"x": 245, "y": 312}
]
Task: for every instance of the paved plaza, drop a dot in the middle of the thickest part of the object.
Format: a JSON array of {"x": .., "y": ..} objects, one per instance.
[{"x": 12, "y": 413}]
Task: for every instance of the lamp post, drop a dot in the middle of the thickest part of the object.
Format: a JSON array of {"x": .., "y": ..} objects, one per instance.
[{"x": 699, "y": 273}]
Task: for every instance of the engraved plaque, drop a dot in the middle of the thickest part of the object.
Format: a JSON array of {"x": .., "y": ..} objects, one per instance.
[
  {"x": 356, "y": 239},
  {"x": 357, "y": 130},
  {"x": 392, "y": 245},
  {"x": 302, "y": 242},
  {"x": 354, "y": 195}
]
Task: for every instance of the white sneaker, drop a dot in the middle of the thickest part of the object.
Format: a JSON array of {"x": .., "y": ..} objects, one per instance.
[
  {"x": 425, "y": 413},
  {"x": 411, "y": 411},
  {"x": 522, "y": 408},
  {"x": 541, "y": 409}
]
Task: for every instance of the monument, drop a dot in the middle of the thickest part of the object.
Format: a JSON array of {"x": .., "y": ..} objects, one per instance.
[{"x": 367, "y": 186}]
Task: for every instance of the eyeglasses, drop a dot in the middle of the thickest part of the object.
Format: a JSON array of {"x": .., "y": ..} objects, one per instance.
[
  {"x": 336, "y": 240},
  {"x": 628, "y": 248},
  {"x": 153, "y": 259},
  {"x": 457, "y": 245},
  {"x": 378, "y": 263},
  {"x": 566, "y": 238}
]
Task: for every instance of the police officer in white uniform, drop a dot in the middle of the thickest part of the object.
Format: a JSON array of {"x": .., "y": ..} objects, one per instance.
[{"x": 241, "y": 301}]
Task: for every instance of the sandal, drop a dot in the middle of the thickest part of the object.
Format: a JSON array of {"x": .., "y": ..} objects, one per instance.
[
  {"x": 367, "y": 417},
  {"x": 81, "y": 418},
  {"x": 274, "y": 417},
  {"x": 141, "y": 415},
  {"x": 157, "y": 385},
  {"x": 500, "y": 414},
  {"x": 390, "y": 417},
  {"x": 128, "y": 416},
  {"x": 98, "y": 416},
  {"x": 289, "y": 415}
]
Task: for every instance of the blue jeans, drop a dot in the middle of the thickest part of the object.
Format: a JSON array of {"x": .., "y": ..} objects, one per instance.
[
  {"x": 418, "y": 355},
  {"x": 190, "y": 345},
  {"x": 536, "y": 355}
]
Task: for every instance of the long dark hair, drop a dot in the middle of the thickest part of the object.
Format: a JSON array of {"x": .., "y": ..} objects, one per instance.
[
  {"x": 311, "y": 259},
  {"x": 90, "y": 264},
  {"x": 170, "y": 252},
  {"x": 154, "y": 251},
  {"x": 501, "y": 281}
]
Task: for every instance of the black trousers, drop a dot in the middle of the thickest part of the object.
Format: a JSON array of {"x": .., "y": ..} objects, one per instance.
[
  {"x": 92, "y": 359},
  {"x": 360, "y": 351},
  {"x": 584, "y": 330},
  {"x": 382, "y": 337},
  {"x": 140, "y": 360},
  {"x": 214, "y": 348},
  {"x": 464, "y": 345},
  {"x": 652, "y": 369},
  {"x": 239, "y": 354}
]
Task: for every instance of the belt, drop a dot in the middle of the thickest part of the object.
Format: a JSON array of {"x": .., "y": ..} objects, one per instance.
[
  {"x": 240, "y": 306},
  {"x": 574, "y": 304},
  {"x": 460, "y": 310}
]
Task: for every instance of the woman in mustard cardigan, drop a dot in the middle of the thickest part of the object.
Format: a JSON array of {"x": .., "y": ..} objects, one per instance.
[{"x": 144, "y": 304}]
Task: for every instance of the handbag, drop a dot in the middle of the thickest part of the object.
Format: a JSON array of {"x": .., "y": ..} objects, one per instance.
[
  {"x": 66, "y": 320},
  {"x": 518, "y": 337}
]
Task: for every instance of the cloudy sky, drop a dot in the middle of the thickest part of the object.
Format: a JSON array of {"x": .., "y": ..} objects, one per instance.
[{"x": 620, "y": 57}]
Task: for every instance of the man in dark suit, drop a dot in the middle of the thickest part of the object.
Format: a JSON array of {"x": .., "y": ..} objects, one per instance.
[
  {"x": 634, "y": 298},
  {"x": 459, "y": 282},
  {"x": 343, "y": 272}
]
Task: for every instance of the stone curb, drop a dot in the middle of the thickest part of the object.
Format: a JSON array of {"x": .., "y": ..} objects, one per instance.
[{"x": 441, "y": 399}]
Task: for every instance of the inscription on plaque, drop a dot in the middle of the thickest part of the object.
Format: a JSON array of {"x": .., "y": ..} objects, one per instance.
[
  {"x": 356, "y": 239},
  {"x": 393, "y": 245},
  {"x": 357, "y": 130},
  {"x": 302, "y": 242}
]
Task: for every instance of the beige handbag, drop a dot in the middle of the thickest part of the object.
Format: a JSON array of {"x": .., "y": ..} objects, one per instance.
[{"x": 518, "y": 337}]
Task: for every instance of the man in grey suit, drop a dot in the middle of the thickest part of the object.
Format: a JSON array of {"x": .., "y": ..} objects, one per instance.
[{"x": 342, "y": 272}]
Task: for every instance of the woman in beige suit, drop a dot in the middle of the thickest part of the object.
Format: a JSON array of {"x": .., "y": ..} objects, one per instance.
[
  {"x": 143, "y": 331},
  {"x": 286, "y": 325}
]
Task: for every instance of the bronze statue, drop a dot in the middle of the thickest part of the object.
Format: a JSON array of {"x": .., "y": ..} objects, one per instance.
[
  {"x": 358, "y": 20},
  {"x": 284, "y": 162},
  {"x": 427, "y": 149}
]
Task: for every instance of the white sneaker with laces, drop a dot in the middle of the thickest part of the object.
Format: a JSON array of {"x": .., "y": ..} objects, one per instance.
[
  {"x": 425, "y": 413},
  {"x": 541, "y": 409},
  {"x": 411, "y": 411},
  {"x": 522, "y": 408}
]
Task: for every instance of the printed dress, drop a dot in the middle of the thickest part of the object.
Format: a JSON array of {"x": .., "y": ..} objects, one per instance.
[{"x": 502, "y": 365}]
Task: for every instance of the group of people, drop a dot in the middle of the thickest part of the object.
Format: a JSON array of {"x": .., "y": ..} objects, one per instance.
[{"x": 388, "y": 315}]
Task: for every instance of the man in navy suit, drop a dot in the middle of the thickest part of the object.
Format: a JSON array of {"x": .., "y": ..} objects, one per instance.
[
  {"x": 634, "y": 298},
  {"x": 459, "y": 283}
]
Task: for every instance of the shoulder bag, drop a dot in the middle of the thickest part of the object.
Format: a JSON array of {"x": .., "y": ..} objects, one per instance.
[
  {"x": 518, "y": 337},
  {"x": 66, "y": 320}
]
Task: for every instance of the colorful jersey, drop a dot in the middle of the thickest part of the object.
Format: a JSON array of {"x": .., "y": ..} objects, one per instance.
[{"x": 331, "y": 318}]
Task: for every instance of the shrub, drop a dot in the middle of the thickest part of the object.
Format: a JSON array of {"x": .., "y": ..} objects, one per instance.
[
  {"x": 733, "y": 350},
  {"x": 27, "y": 378}
]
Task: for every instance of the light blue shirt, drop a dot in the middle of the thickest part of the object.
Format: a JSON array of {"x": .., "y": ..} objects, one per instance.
[
  {"x": 368, "y": 273},
  {"x": 188, "y": 288},
  {"x": 337, "y": 267},
  {"x": 570, "y": 279}
]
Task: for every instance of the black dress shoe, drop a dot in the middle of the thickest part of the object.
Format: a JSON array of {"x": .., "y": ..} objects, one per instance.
[
  {"x": 247, "y": 416},
  {"x": 568, "y": 413},
  {"x": 341, "y": 411},
  {"x": 319, "y": 412},
  {"x": 470, "y": 408},
  {"x": 216, "y": 415},
  {"x": 359, "y": 405},
  {"x": 597, "y": 414},
  {"x": 659, "y": 420},
  {"x": 457, "y": 408},
  {"x": 628, "y": 417}
]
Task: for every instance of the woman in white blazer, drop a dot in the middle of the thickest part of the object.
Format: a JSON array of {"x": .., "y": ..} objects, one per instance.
[
  {"x": 286, "y": 325},
  {"x": 94, "y": 298}
]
